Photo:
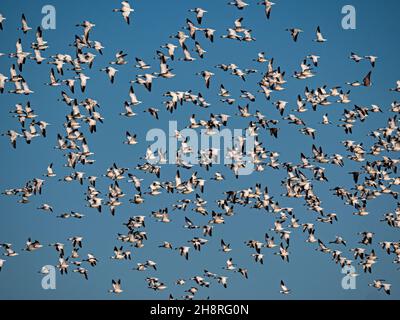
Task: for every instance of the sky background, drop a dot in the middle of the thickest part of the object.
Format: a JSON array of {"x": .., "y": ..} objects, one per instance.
[{"x": 310, "y": 274}]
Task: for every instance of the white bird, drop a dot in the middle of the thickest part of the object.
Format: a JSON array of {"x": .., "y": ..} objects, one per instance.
[
  {"x": 116, "y": 287},
  {"x": 355, "y": 57},
  {"x": 380, "y": 284},
  {"x": 125, "y": 10},
  {"x": 44, "y": 270},
  {"x": 132, "y": 97},
  {"x": 32, "y": 245},
  {"x": 207, "y": 77},
  {"x": 284, "y": 288},
  {"x": 294, "y": 32},
  {"x": 186, "y": 53},
  {"x": 53, "y": 81},
  {"x": 141, "y": 64},
  {"x": 83, "y": 79},
  {"x": 13, "y": 137},
  {"x": 3, "y": 80},
  {"x": 199, "y": 13},
  {"x": 50, "y": 172},
  {"x": 83, "y": 272},
  {"x": 240, "y": 4},
  {"x": 171, "y": 50},
  {"x": 320, "y": 38},
  {"x": 2, "y": 19},
  {"x": 38, "y": 57},
  {"x": 110, "y": 72},
  {"x": 184, "y": 251},
  {"x": 268, "y": 7},
  {"x": 372, "y": 60},
  {"x": 1, "y": 260},
  {"x": 25, "y": 28},
  {"x": 46, "y": 207},
  {"x": 397, "y": 89},
  {"x": 130, "y": 139}
]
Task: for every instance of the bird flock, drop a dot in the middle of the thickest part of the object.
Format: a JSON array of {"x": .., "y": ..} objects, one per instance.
[{"x": 376, "y": 158}]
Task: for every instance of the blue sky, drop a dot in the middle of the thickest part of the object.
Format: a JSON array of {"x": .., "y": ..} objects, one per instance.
[{"x": 310, "y": 274}]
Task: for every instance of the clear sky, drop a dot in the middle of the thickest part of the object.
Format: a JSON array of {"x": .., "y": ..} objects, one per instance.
[{"x": 310, "y": 274}]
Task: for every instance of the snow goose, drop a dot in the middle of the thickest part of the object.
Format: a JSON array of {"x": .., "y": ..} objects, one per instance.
[
  {"x": 53, "y": 81},
  {"x": 209, "y": 33},
  {"x": 13, "y": 137},
  {"x": 130, "y": 139},
  {"x": 151, "y": 264},
  {"x": 46, "y": 207},
  {"x": 372, "y": 60},
  {"x": 76, "y": 241},
  {"x": 3, "y": 80},
  {"x": 120, "y": 58},
  {"x": 91, "y": 259},
  {"x": 166, "y": 245},
  {"x": 320, "y": 38},
  {"x": 261, "y": 57},
  {"x": 284, "y": 288},
  {"x": 63, "y": 265},
  {"x": 314, "y": 59},
  {"x": 125, "y": 10},
  {"x": 83, "y": 272},
  {"x": 1, "y": 260},
  {"x": 83, "y": 79},
  {"x": 145, "y": 80},
  {"x": 283, "y": 252},
  {"x": 225, "y": 247},
  {"x": 32, "y": 245},
  {"x": 240, "y": 4},
  {"x": 207, "y": 77},
  {"x": 231, "y": 35},
  {"x": 133, "y": 100},
  {"x": 397, "y": 88},
  {"x": 42, "y": 126},
  {"x": 339, "y": 240},
  {"x": 38, "y": 57},
  {"x": 110, "y": 72},
  {"x": 192, "y": 29},
  {"x": 59, "y": 248},
  {"x": 258, "y": 257},
  {"x": 294, "y": 32},
  {"x": 96, "y": 45},
  {"x": 153, "y": 112},
  {"x": 199, "y": 14},
  {"x": 171, "y": 50},
  {"x": 44, "y": 270},
  {"x": 10, "y": 252},
  {"x": 141, "y": 64},
  {"x": 223, "y": 280},
  {"x": 186, "y": 53},
  {"x": 200, "y": 51},
  {"x": 2, "y": 19},
  {"x": 355, "y": 57},
  {"x": 116, "y": 287},
  {"x": 380, "y": 284},
  {"x": 24, "y": 25},
  {"x": 184, "y": 251},
  {"x": 70, "y": 83},
  {"x": 268, "y": 7},
  {"x": 40, "y": 43}
]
